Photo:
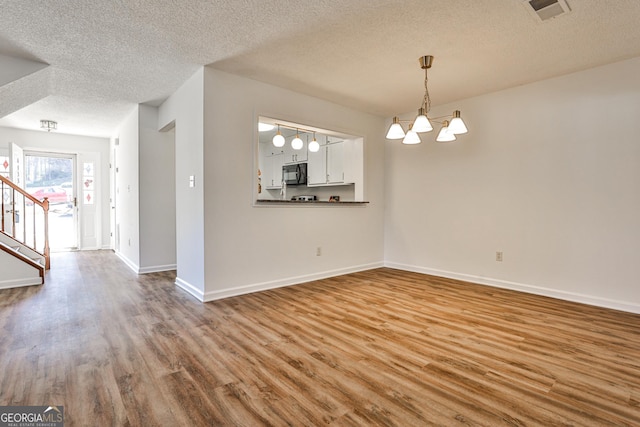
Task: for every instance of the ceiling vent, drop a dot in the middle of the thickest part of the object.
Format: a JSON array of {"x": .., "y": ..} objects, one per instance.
[{"x": 544, "y": 10}]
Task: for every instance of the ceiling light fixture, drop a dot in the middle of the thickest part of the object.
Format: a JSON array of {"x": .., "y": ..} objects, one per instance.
[
  {"x": 314, "y": 145},
  {"x": 297, "y": 143},
  {"x": 48, "y": 125},
  {"x": 411, "y": 137},
  {"x": 278, "y": 139},
  {"x": 422, "y": 122},
  {"x": 446, "y": 134}
]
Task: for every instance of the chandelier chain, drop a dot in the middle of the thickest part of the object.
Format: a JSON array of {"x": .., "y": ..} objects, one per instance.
[{"x": 426, "y": 102}]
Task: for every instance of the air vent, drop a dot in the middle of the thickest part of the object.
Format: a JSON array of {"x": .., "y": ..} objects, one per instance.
[{"x": 544, "y": 10}]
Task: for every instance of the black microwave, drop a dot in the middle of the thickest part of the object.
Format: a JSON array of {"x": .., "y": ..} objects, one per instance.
[{"x": 295, "y": 174}]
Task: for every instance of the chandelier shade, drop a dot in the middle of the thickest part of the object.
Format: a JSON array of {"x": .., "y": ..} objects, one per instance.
[
  {"x": 421, "y": 123},
  {"x": 456, "y": 125},
  {"x": 411, "y": 137},
  {"x": 395, "y": 130},
  {"x": 445, "y": 134}
]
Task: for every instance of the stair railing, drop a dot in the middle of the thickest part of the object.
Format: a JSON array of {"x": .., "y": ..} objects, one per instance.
[{"x": 16, "y": 200}]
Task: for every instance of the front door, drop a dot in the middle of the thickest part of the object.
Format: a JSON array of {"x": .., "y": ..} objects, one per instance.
[{"x": 53, "y": 175}]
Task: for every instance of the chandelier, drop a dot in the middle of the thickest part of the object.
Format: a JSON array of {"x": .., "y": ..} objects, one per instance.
[
  {"x": 452, "y": 125},
  {"x": 48, "y": 125}
]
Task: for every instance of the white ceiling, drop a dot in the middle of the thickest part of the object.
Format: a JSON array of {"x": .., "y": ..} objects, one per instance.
[{"x": 104, "y": 57}]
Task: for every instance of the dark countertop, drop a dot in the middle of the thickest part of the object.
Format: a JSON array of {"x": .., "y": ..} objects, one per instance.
[{"x": 313, "y": 202}]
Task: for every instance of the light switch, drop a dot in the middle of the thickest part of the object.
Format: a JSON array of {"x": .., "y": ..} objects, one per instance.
[{"x": 192, "y": 181}]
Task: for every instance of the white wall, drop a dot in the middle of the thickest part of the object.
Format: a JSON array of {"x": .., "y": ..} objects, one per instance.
[
  {"x": 251, "y": 248},
  {"x": 145, "y": 193},
  {"x": 85, "y": 147},
  {"x": 549, "y": 174},
  {"x": 185, "y": 109},
  {"x": 16, "y": 272},
  {"x": 128, "y": 191},
  {"x": 157, "y": 194}
]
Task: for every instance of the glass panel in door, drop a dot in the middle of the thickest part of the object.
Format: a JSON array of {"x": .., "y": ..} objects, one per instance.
[{"x": 53, "y": 176}]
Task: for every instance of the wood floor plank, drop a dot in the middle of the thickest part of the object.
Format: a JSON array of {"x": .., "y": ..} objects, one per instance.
[{"x": 380, "y": 347}]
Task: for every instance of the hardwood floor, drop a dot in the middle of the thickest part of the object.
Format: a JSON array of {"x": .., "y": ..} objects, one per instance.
[{"x": 382, "y": 347}]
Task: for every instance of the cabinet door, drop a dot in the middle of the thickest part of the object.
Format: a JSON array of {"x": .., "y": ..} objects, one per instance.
[
  {"x": 295, "y": 156},
  {"x": 335, "y": 163},
  {"x": 317, "y": 166},
  {"x": 272, "y": 174},
  {"x": 302, "y": 154}
]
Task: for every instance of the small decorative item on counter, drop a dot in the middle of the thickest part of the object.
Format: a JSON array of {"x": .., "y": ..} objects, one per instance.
[{"x": 334, "y": 198}]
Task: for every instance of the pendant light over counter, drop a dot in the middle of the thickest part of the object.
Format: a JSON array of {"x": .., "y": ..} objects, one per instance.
[
  {"x": 278, "y": 139},
  {"x": 297, "y": 143},
  {"x": 314, "y": 146},
  {"x": 452, "y": 125}
]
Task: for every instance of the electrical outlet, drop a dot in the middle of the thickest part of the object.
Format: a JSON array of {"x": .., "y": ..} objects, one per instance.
[
  {"x": 499, "y": 256},
  {"x": 319, "y": 251}
]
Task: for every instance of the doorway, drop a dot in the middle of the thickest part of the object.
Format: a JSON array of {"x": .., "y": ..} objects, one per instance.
[{"x": 53, "y": 175}]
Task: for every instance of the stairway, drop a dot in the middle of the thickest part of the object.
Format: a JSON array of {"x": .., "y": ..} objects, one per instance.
[
  {"x": 21, "y": 265},
  {"x": 24, "y": 237}
]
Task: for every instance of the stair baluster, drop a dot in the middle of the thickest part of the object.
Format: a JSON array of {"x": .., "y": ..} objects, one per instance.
[{"x": 10, "y": 193}]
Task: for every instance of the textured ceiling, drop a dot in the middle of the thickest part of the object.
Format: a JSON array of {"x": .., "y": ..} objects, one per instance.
[{"x": 104, "y": 57}]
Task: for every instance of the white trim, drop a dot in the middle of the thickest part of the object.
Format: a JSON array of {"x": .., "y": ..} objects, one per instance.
[
  {"x": 188, "y": 287},
  {"x": 145, "y": 270},
  {"x": 257, "y": 287},
  {"x": 16, "y": 283},
  {"x": 156, "y": 268},
  {"x": 130, "y": 264},
  {"x": 530, "y": 289}
]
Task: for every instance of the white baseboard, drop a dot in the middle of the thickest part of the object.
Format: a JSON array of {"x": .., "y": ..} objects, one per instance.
[
  {"x": 144, "y": 270},
  {"x": 17, "y": 283},
  {"x": 257, "y": 287},
  {"x": 188, "y": 287},
  {"x": 156, "y": 268},
  {"x": 132, "y": 265},
  {"x": 530, "y": 289}
]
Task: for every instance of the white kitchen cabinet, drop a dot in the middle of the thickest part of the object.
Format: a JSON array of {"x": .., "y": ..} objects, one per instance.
[
  {"x": 335, "y": 163},
  {"x": 272, "y": 171},
  {"x": 317, "y": 163},
  {"x": 295, "y": 156},
  {"x": 330, "y": 165}
]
